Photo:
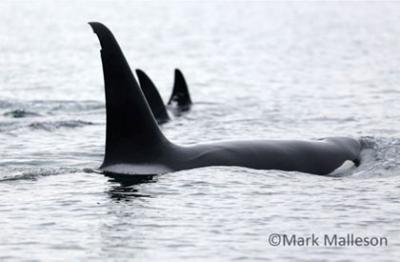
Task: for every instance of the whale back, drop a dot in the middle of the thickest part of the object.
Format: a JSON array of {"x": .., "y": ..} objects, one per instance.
[
  {"x": 153, "y": 97},
  {"x": 180, "y": 92},
  {"x": 132, "y": 133}
]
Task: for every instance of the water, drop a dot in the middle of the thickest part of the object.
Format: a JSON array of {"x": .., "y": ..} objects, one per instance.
[{"x": 255, "y": 70}]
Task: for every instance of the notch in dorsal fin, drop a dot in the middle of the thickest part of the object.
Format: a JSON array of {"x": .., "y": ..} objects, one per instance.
[
  {"x": 153, "y": 97},
  {"x": 180, "y": 93},
  {"x": 132, "y": 133}
]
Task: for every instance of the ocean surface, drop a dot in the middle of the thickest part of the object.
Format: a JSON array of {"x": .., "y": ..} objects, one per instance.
[{"x": 255, "y": 70}]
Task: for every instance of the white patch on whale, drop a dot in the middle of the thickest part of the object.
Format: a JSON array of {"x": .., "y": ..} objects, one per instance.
[
  {"x": 136, "y": 169},
  {"x": 346, "y": 167}
]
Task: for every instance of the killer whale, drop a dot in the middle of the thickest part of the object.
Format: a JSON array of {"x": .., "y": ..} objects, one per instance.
[
  {"x": 179, "y": 101},
  {"x": 180, "y": 96},
  {"x": 135, "y": 144},
  {"x": 153, "y": 97}
]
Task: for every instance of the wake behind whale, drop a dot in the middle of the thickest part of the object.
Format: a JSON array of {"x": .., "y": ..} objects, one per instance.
[{"x": 135, "y": 144}]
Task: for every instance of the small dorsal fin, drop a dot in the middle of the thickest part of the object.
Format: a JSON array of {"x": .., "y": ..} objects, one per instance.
[
  {"x": 153, "y": 97},
  {"x": 180, "y": 93},
  {"x": 132, "y": 133}
]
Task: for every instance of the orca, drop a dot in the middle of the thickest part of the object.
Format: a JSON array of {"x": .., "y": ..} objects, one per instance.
[
  {"x": 180, "y": 97},
  {"x": 179, "y": 101},
  {"x": 153, "y": 97},
  {"x": 135, "y": 144}
]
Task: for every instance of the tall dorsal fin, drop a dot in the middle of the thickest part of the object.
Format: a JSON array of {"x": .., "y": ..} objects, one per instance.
[
  {"x": 153, "y": 97},
  {"x": 132, "y": 133},
  {"x": 180, "y": 93}
]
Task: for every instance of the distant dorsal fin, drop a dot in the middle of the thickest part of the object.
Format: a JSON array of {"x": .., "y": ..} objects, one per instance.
[
  {"x": 132, "y": 133},
  {"x": 153, "y": 97},
  {"x": 180, "y": 93}
]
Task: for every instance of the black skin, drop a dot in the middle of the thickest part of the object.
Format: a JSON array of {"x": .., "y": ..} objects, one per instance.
[
  {"x": 178, "y": 103},
  {"x": 153, "y": 97}
]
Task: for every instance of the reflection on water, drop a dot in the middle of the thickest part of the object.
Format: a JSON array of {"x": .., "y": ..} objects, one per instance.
[{"x": 127, "y": 190}]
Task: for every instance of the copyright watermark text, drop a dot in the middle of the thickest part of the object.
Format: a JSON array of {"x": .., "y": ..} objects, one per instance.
[{"x": 325, "y": 240}]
